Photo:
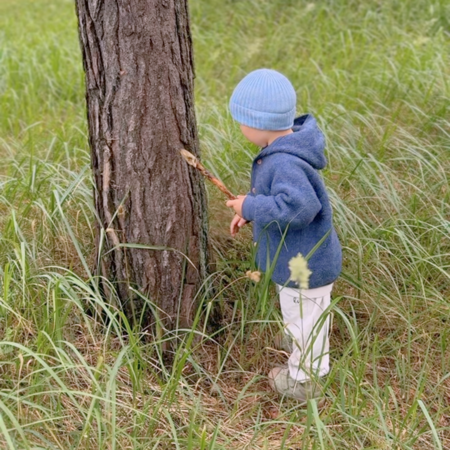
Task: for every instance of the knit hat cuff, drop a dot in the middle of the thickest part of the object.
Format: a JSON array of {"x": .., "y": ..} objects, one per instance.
[{"x": 262, "y": 120}]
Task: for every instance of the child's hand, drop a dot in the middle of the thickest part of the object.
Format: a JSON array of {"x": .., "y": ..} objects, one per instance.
[
  {"x": 236, "y": 223},
  {"x": 237, "y": 204}
]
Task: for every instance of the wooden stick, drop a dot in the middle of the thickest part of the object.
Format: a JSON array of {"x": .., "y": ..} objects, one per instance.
[{"x": 193, "y": 161}]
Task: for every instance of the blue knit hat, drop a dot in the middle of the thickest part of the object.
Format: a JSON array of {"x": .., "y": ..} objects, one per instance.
[{"x": 264, "y": 99}]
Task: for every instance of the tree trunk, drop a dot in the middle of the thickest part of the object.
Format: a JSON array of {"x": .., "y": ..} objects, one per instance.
[{"x": 137, "y": 57}]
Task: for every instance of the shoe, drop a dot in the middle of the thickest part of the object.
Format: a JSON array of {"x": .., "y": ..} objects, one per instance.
[
  {"x": 280, "y": 381},
  {"x": 283, "y": 341}
]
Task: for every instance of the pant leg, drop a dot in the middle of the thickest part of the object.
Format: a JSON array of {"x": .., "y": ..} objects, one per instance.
[{"x": 304, "y": 321}]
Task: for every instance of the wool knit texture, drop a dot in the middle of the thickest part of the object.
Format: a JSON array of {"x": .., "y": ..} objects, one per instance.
[
  {"x": 289, "y": 196},
  {"x": 265, "y": 99}
]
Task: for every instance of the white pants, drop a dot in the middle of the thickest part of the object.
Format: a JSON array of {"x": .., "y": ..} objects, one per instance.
[{"x": 308, "y": 327}]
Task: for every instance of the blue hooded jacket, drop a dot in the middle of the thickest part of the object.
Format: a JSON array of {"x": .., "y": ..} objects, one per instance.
[{"x": 288, "y": 192}]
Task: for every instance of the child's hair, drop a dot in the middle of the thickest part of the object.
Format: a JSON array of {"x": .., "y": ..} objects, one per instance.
[{"x": 264, "y": 99}]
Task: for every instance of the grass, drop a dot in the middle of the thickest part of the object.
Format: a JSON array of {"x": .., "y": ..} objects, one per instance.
[{"x": 376, "y": 75}]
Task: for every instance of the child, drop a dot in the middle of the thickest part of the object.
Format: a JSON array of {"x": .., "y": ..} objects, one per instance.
[{"x": 288, "y": 197}]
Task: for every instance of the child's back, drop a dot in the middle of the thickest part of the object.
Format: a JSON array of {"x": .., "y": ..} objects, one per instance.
[{"x": 288, "y": 196}]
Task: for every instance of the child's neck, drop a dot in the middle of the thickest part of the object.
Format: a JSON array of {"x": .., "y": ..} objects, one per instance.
[{"x": 276, "y": 134}]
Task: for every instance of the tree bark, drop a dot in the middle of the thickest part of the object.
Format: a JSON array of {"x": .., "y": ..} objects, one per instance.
[{"x": 137, "y": 57}]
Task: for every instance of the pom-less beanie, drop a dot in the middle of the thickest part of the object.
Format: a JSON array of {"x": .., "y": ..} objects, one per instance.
[{"x": 264, "y": 99}]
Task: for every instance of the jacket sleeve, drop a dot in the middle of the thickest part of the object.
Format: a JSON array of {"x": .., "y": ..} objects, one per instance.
[{"x": 292, "y": 202}]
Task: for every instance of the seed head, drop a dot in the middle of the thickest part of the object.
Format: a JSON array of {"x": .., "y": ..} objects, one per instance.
[
  {"x": 299, "y": 271},
  {"x": 254, "y": 276}
]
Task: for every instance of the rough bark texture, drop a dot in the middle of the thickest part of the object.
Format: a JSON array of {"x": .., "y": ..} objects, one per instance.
[{"x": 137, "y": 56}]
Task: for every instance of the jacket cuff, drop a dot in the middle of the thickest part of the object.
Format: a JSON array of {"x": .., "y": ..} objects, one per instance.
[{"x": 249, "y": 208}]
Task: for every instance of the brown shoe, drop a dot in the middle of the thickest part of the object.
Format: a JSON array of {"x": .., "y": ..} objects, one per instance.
[{"x": 280, "y": 381}]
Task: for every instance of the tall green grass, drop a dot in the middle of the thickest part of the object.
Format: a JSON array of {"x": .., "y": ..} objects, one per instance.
[{"x": 375, "y": 74}]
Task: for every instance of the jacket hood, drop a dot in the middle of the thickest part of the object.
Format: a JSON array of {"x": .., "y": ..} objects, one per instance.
[{"x": 306, "y": 142}]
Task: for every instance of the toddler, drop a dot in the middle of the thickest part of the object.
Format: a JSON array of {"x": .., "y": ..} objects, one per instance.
[{"x": 290, "y": 211}]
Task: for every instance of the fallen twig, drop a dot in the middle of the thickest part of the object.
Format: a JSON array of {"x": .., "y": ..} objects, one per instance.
[{"x": 193, "y": 161}]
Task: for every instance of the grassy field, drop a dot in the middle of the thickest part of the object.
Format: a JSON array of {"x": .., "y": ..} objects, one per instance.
[{"x": 376, "y": 75}]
